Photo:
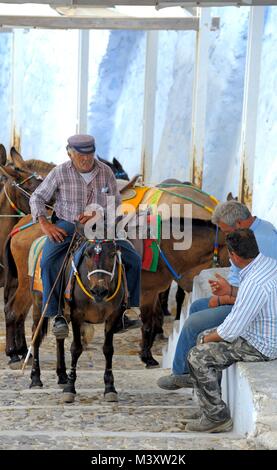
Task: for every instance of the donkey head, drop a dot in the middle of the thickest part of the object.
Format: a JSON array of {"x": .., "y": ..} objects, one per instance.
[
  {"x": 100, "y": 261},
  {"x": 20, "y": 184}
]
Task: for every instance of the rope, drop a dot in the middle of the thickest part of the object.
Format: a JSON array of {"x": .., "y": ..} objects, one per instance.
[
  {"x": 215, "y": 255},
  {"x": 213, "y": 198},
  {"x": 19, "y": 212},
  {"x": 188, "y": 199},
  {"x": 167, "y": 263}
]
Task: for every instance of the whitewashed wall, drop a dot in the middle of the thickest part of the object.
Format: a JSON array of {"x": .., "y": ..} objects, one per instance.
[
  {"x": 46, "y": 78},
  {"x": 265, "y": 176}
]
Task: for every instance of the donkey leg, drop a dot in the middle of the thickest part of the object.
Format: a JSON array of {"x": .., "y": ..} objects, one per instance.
[
  {"x": 76, "y": 349},
  {"x": 110, "y": 393},
  {"x": 61, "y": 367},
  {"x": 20, "y": 339},
  {"x": 163, "y": 296},
  {"x": 35, "y": 372},
  {"x": 11, "y": 350},
  {"x": 148, "y": 336},
  {"x": 180, "y": 296},
  {"x": 20, "y": 304}
]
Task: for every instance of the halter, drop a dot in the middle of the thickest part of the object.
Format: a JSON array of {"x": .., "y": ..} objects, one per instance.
[{"x": 98, "y": 251}]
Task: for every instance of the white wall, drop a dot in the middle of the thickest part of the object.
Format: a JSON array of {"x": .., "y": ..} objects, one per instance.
[
  {"x": 46, "y": 74},
  {"x": 265, "y": 176}
]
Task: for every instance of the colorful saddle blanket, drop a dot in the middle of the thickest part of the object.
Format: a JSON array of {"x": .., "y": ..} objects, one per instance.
[{"x": 149, "y": 261}]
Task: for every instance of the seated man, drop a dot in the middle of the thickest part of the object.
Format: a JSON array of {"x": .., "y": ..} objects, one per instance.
[
  {"x": 249, "y": 333},
  {"x": 74, "y": 185},
  {"x": 209, "y": 313}
]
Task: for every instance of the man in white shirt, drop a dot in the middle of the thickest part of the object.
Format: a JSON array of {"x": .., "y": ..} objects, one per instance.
[{"x": 249, "y": 332}]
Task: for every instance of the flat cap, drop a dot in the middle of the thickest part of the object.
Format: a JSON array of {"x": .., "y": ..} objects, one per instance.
[{"x": 82, "y": 143}]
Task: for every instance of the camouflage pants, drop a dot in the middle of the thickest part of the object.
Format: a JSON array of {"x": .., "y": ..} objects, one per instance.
[{"x": 206, "y": 361}]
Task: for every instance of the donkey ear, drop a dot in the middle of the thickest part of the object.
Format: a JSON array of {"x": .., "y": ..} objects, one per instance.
[
  {"x": 117, "y": 164},
  {"x": 17, "y": 159},
  {"x": 230, "y": 197},
  {"x": 3, "y": 155}
]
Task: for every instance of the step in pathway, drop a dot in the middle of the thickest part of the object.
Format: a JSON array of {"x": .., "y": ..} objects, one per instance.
[{"x": 145, "y": 417}]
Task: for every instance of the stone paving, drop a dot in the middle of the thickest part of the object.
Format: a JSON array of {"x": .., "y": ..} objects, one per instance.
[{"x": 145, "y": 416}]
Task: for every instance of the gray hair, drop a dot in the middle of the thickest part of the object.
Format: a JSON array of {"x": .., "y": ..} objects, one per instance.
[{"x": 230, "y": 212}]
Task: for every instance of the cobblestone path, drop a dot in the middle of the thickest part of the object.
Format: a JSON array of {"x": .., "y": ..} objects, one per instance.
[{"x": 145, "y": 416}]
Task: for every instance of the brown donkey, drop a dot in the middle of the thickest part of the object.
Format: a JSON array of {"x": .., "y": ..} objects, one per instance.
[
  {"x": 187, "y": 263},
  {"x": 99, "y": 295}
]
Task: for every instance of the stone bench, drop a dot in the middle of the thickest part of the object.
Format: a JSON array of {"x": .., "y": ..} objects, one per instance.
[{"x": 250, "y": 389}]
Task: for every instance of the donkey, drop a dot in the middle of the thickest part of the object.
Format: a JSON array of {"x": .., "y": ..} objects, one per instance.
[{"x": 99, "y": 295}]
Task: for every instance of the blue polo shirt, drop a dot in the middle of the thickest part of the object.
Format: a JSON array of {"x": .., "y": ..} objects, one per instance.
[{"x": 266, "y": 237}]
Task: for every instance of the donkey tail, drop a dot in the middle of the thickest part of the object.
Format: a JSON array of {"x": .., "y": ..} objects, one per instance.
[
  {"x": 87, "y": 333},
  {"x": 11, "y": 277}
]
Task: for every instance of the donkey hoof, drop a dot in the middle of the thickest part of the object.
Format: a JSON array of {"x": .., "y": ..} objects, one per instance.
[
  {"x": 61, "y": 386},
  {"x": 161, "y": 337},
  {"x": 152, "y": 364},
  {"x": 111, "y": 396},
  {"x": 36, "y": 384},
  {"x": 68, "y": 397}
]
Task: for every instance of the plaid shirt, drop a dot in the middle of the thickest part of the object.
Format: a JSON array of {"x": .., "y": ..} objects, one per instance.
[{"x": 71, "y": 193}]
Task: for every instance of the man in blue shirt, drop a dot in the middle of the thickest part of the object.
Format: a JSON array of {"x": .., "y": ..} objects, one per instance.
[
  {"x": 249, "y": 333},
  {"x": 210, "y": 312}
]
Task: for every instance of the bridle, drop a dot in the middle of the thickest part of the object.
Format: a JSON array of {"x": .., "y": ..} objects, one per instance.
[
  {"x": 18, "y": 186},
  {"x": 117, "y": 264}
]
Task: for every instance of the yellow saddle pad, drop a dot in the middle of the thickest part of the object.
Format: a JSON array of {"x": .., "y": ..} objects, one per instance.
[{"x": 133, "y": 197}]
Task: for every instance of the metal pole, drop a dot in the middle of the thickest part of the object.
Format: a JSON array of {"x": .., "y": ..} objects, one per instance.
[
  {"x": 82, "y": 95},
  {"x": 250, "y": 104}
]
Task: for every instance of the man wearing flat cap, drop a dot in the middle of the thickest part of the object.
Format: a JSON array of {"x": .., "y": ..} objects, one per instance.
[{"x": 74, "y": 185}]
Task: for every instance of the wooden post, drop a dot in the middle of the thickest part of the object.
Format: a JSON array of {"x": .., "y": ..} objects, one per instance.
[
  {"x": 82, "y": 95},
  {"x": 149, "y": 104},
  {"x": 200, "y": 98},
  {"x": 250, "y": 104}
]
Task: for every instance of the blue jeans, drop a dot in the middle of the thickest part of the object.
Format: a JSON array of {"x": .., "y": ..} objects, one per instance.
[
  {"x": 201, "y": 318},
  {"x": 52, "y": 259}
]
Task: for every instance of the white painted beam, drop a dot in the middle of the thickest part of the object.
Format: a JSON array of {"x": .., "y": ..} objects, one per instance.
[
  {"x": 82, "y": 94},
  {"x": 250, "y": 104},
  {"x": 163, "y": 3},
  {"x": 150, "y": 85},
  {"x": 200, "y": 98},
  {"x": 75, "y": 22},
  {"x": 16, "y": 89}
]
